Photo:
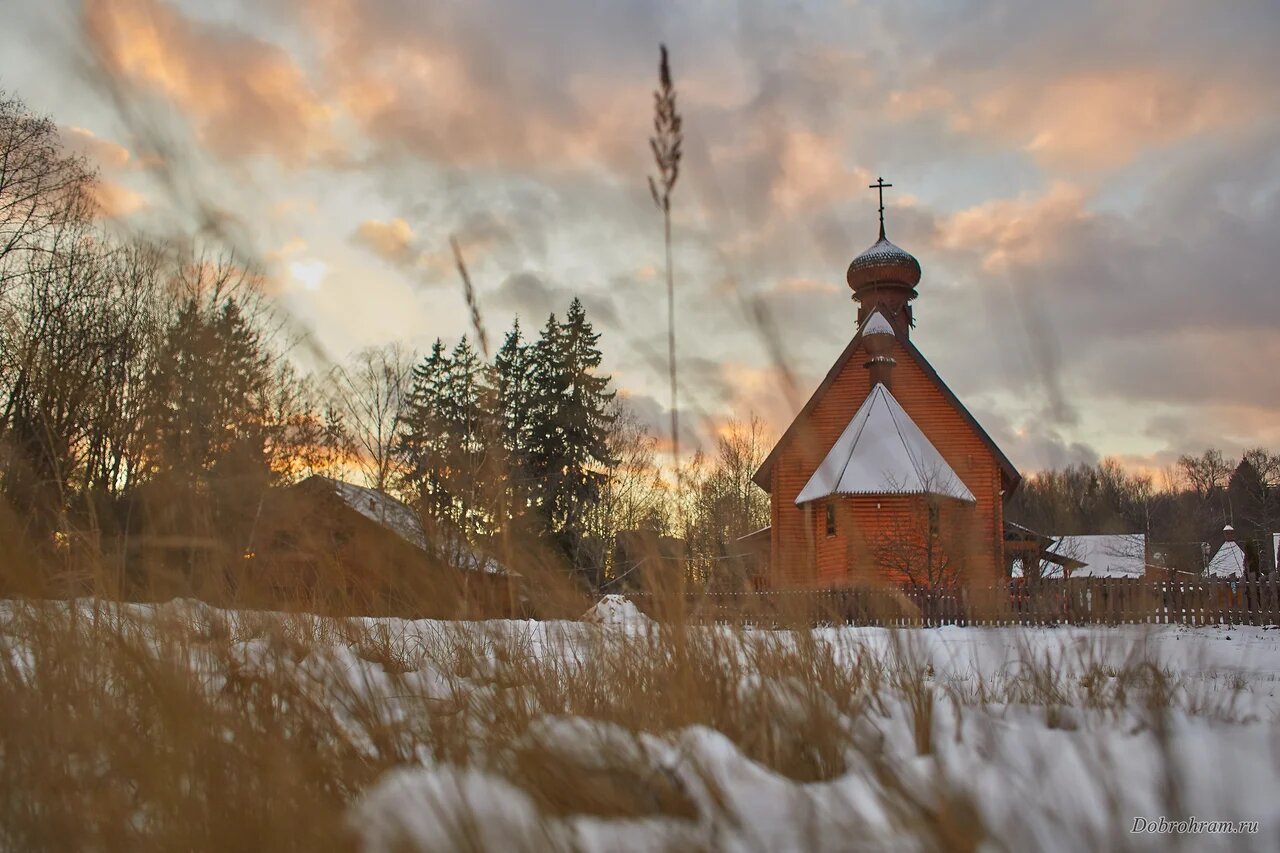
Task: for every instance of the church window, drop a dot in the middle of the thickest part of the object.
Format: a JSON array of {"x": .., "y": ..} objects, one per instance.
[{"x": 831, "y": 519}]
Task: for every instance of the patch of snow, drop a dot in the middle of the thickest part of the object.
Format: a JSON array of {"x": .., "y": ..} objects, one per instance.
[{"x": 615, "y": 610}]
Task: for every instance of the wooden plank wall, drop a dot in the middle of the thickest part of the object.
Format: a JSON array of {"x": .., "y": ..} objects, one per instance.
[{"x": 796, "y": 554}]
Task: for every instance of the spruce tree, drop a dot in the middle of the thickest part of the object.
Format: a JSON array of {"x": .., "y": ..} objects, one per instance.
[
  {"x": 586, "y": 414},
  {"x": 545, "y": 451},
  {"x": 465, "y": 419},
  {"x": 569, "y": 449},
  {"x": 510, "y": 396},
  {"x": 426, "y": 437}
]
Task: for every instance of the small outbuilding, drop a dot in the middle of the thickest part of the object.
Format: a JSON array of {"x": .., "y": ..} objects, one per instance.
[{"x": 331, "y": 545}]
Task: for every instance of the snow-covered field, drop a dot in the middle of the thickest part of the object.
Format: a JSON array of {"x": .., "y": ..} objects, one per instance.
[{"x": 607, "y": 735}]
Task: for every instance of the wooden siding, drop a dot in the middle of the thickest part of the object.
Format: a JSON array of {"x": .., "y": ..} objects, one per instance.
[{"x": 802, "y": 553}]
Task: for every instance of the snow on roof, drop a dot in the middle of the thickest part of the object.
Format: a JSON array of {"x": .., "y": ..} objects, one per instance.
[
  {"x": 384, "y": 509},
  {"x": 883, "y": 452},
  {"x": 403, "y": 521},
  {"x": 1228, "y": 562},
  {"x": 1119, "y": 555},
  {"x": 876, "y": 324}
]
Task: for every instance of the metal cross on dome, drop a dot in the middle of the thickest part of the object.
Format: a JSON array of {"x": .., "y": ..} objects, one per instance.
[{"x": 880, "y": 185}]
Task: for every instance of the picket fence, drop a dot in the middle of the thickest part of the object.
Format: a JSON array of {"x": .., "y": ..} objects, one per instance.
[{"x": 1078, "y": 601}]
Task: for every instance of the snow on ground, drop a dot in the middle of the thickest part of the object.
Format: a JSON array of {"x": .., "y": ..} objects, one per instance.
[{"x": 1033, "y": 773}]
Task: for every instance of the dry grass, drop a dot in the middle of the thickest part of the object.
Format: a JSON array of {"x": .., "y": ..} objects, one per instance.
[{"x": 187, "y": 727}]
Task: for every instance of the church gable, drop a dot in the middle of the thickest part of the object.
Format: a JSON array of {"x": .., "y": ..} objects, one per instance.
[{"x": 847, "y": 385}]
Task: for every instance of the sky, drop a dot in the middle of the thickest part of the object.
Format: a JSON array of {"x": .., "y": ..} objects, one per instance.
[{"x": 1092, "y": 189}]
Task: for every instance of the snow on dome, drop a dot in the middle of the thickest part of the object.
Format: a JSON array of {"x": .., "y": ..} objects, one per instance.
[
  {"x": 876, "y": 324},
  {"x": 1228, "y": 562},
  {"x": 884, "y": 262},
  {"x": 883, "y": 452}
]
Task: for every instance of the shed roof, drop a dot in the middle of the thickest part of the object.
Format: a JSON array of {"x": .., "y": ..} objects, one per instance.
[{"x": 883, "y": 452}]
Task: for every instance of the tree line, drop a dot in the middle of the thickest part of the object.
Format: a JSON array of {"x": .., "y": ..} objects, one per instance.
[
  {"x": 1190, "y": 504},
  {"x": 147, "y": 395}
]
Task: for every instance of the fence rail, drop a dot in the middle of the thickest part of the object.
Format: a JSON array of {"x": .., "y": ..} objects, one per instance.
[{"x": 1078, "y": 601}]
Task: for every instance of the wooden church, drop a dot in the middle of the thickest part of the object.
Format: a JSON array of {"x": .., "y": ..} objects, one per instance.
[{"x": 884, "y": 478}]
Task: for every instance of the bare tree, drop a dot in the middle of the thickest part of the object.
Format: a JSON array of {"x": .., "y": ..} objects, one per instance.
[
  {"x": 41, "y": 186},
  {"x": 372, "y": 395},
  {"x": 634, "y": 496},
  {"x": 930, "y": 546},
  {"x": 724, "y": 503},
  {"x": 1206, "y": 473}
]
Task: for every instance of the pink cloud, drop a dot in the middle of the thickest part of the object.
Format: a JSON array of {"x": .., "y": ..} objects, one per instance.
[
  {"x": 114, "y": 201},
  {"x": 1097, "y": 120},
  {"x": 391, "y": 240},
  {"x": 243, "y": 95},
  {"x": 101, "y": 153},
  {"x": 1013, "y": 232}
]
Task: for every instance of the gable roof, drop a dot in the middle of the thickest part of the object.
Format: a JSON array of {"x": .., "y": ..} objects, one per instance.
[
  {"x": 1010, "y": 474},
  {"x": 398, "y": 518},
  {"x": 883, "y": 452},
  {"x": 1227, "y": 562},
  {"x": 1118, "y": 555}
]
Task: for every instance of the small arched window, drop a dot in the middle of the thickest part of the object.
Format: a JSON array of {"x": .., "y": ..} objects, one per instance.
[{"x": 831, "y": 518}]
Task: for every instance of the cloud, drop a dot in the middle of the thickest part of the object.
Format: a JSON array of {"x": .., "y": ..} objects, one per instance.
[
  {"x": 1101, "y": 119},
  {"x": 101, "y": 153},
  {"x": 114, "y": 201},
  {"x": 812, "y": 172},
  {"x": 1017, "y": 232},
  {"x": 244, "y": 96},
  {"x": 1085, "y": 199},
  {"x": 390, "y": 240},
  {"x": 533, "y": 297}
]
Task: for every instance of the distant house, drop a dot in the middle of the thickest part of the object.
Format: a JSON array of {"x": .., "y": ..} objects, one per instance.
[
  {"x": 1119, "y": 555},
  {"x": 330, "y": 544},
  {"x": 1234, "y": 560},
  {"x": 1227, "y": 562}
]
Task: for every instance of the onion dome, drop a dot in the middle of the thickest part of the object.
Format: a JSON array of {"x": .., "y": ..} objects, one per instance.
[{"x": 884, "y": 263}]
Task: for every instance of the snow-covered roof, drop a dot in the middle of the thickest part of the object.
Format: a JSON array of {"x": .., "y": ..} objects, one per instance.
[
  {"x": 403, "y": 521},
  {"x": 1228, "y": 562},
  {"x": 384, "y": 509},
  {"x": 876, "y": 324},
  {"x": 1118, "y": 555},
  {"x": 883, "y": 452}
]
